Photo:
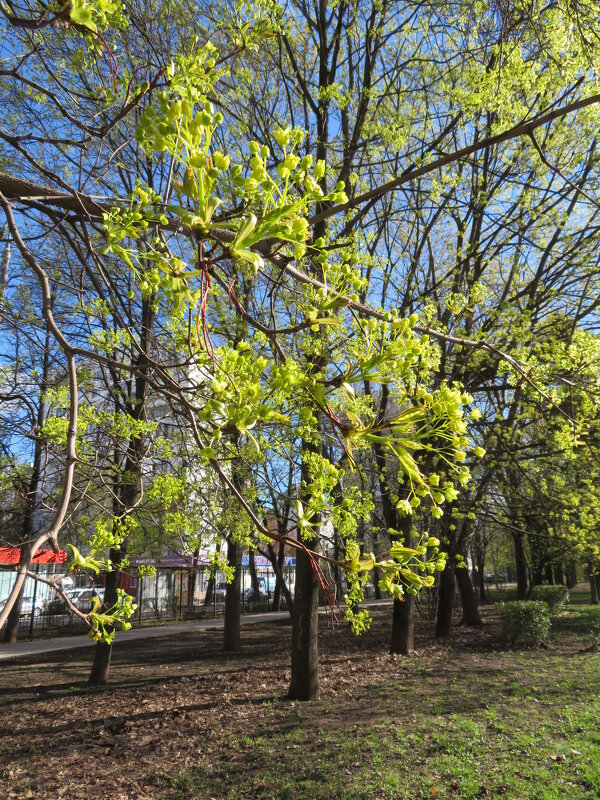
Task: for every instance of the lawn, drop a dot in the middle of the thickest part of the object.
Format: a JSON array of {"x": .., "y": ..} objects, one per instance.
[{"x": 465, "y": 719}]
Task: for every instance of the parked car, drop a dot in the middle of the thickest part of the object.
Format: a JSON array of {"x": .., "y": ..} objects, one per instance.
[
  {"x": 82, "y": 598},
  {"x": 220, "y": 590},
  {"x": 29, "y": 604},
  {"x": 250, "y": 597}
]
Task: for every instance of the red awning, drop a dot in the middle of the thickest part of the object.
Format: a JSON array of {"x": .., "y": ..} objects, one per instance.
[{"x": 11, "y": 555}]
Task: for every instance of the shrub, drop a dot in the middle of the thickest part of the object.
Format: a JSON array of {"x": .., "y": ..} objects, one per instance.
[
  {"x": 55, "y": 607},
  {"x": 525, "y": 620},
  {"x": 555, "y": 597},
  {"x": 595, "y": 627}
]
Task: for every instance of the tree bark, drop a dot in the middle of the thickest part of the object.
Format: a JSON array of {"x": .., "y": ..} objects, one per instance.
[
  {"x": 549, "y": 575},
  {"x": 192, "y": 580},
  {"x": 278, "y": 562},
  {"x": 403, "y": 613},
  {"x": 4, "y": 267},
  {"x": 304, "y": 678},
  {"x": 403, "y": 626},
  {"x": 595, "y": 599},
  {"x": 558, "y": 575},
  {"x": 103, "y": 651},
  {"x": 231, "y": 624},
  {"x": 481, "y": 579},
  {"x": 277, "y": 568},
  {"x": 210, "y": 591},
  {"x": 537, "y": 576},
  {"x": 521, "y": 564},
  {"x": 31, "y": 494},
  {"x": 11, "y": 631},
  {"x": 402, "y": 640},
  {"x": 127, "y": 481},
  {"x": 446, "y": 597},
  {"x": 304, "y": 683},
  {"x": 377, "y": 588},
  {"x": 470, "y": 616},
  {"x": 253, "y": 576}
]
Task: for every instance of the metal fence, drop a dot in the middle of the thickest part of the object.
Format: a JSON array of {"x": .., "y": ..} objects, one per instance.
[
  {"x": 427, "y": 600},
  {"x": 170, "y": 594}
]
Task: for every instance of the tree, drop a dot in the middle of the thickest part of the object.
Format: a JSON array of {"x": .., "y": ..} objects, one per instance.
[
  {"x": 543, "y": 491},
  {"x": 204, "y": 211},
  {"x": 28, "y": 376},
  {"x": 510, "y": 225}
]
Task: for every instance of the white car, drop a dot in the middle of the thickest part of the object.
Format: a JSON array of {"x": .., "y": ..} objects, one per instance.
[
  {"x": 28, "y": 605},
  {"x": 82, "y": 598}
]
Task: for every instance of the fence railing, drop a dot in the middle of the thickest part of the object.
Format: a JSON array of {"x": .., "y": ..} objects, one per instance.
[{"x": 168, "y": 595}]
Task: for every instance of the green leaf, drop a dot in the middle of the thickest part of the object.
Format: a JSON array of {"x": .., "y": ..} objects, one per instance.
[
  {"x": 82, "y": 16},
  {"x": 328, "y": 321}
]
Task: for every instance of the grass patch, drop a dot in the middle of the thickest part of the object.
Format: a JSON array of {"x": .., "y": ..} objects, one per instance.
[
  {"x": 458, "y": 724},
  {"x": 182, "y": 720}
]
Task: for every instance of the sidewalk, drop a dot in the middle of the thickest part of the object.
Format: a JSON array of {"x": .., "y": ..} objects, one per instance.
[{"x": 40, "y": 646}]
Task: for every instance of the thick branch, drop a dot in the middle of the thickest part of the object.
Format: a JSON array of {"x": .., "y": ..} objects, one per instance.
[
  {"x": 522, "y": 129},
  {"x": 51, "y": 534}
]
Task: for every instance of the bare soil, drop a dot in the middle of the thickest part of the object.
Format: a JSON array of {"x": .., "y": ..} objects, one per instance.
[
  {"x": 173, "y": 700},
  {"x": 180, "y": 706}
]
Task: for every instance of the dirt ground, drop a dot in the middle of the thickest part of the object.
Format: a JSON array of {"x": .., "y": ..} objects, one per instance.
[
  {"x": 174, "y": 701},
  {"x": 182, "y": 719}
]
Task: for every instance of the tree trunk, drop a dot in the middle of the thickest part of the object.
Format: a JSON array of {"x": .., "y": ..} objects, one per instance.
[
  {"x": 549, "y": 575},
  {"x": 192, "y": 580},
  {"x": 277, "y": 568},
  {"x": 595, "y": 599},
  {"x": 337, "y": 572},
  {"x": 278, "y": 562},
  {"x": 481, "y": 579},
  {"x": 276, "y": 602},
  {"x": 403, "y": 614},
  {"x": 470, "y": 616},
  {"x": 231, "y": 624},
  {"x": 537, "y": 576},
  {"x": 31, "y": 493},
  {"x": 568, "y": 575},
  {"x": 128, "y": 479},
  {"x": 304, "y": 684},
  {"x": 253, "y": 576},
  {"x": 558, "y": 575},
  {"x": 377, "y": 589},
  {"x": 191, "y": 589},
  {"x": 446, "y": 596},
  {"x": 102, "y": 651},
  {"x": 210, "y": 591},
  {"x": 289, "y": 600},
  {"x": 402, "y": 640},
  {"x": 11, "y": 631},
  {"x": 403, "y": 626},
  {"x": 304, "y": 680},
  {"x": 571, "y": 576},
  {"x": 521, "y": 564}
]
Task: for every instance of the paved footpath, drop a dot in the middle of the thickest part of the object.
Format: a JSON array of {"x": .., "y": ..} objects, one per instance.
[{"x": 40, "y": 646}]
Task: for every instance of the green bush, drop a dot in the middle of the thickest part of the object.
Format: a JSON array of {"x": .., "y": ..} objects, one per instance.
[
  {"x": 555, "y": 597},
  {"x": 525, "y": 620},
  {"x": 55, "y": 607},
  {"x": 595, "y": 627}
]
